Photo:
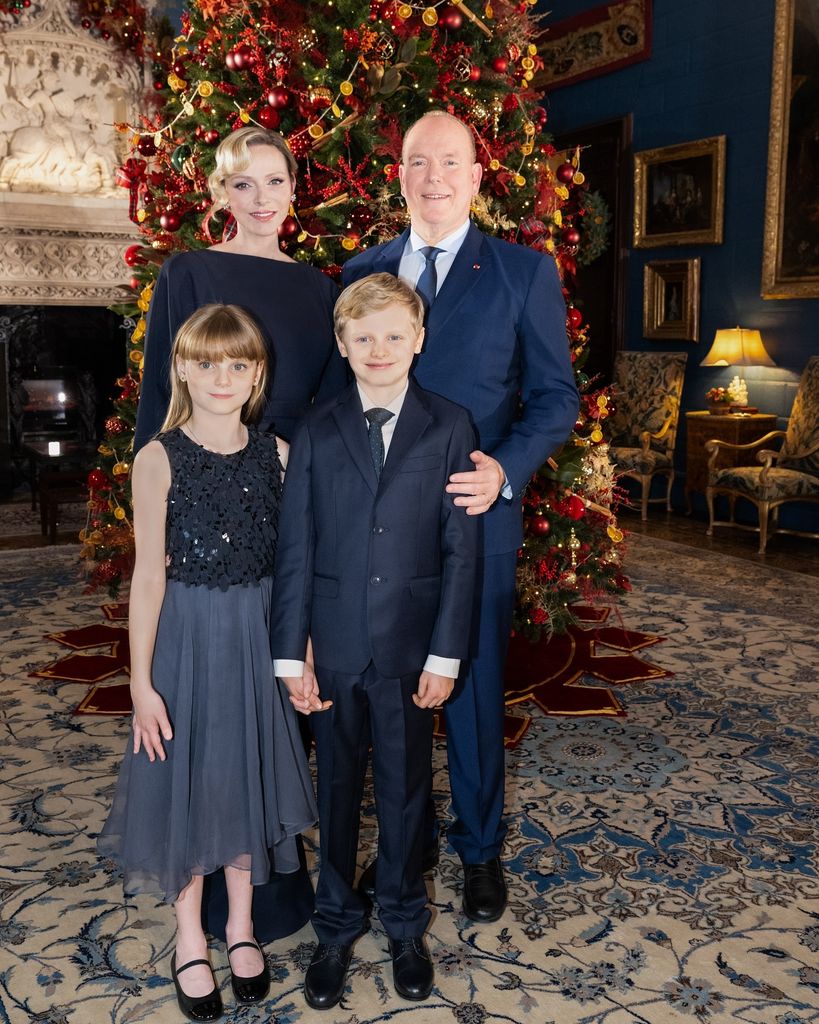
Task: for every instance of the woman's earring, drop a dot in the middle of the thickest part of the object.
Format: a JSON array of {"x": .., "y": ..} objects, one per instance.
[
  {"x": 183, "y": 379},
  {"x": 292, "y": 211}
]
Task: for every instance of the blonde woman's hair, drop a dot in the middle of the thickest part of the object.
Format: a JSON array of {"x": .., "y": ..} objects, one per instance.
[
  {"x": 233, "y": 157},
  {"x": 216, "y": 332},
  {"x": 373, "y": 293}
]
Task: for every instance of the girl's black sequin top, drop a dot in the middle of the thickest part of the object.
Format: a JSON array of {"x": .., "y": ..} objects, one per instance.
[{"x": 223, "y": 511}]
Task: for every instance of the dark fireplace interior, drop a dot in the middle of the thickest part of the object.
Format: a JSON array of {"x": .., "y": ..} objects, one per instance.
[{"x": 58, "y": 368}]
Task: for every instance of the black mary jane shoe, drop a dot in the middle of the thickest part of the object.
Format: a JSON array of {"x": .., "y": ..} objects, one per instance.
[
  {"x": 199, "y": 1008},
  {"x": 249, "y": 990}
]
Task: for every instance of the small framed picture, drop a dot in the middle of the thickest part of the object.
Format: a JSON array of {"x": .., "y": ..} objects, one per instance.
[
  {"x": 679, "y": 194},
  {"x": 671, "y": 300}
]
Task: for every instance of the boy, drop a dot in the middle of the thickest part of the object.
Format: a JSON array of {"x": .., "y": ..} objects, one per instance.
[{"x": 377, "y": 566}]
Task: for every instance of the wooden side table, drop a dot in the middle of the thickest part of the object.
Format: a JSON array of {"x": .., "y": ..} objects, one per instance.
[{"x": 735, "y": 428}]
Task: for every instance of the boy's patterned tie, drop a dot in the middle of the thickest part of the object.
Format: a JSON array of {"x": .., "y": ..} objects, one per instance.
[
  {"x": 427, "y": 285},
  {"x": 377, "y": 418}
]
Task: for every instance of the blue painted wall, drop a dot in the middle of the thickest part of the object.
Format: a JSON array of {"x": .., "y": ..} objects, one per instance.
[{"x": 709, "y": 74}]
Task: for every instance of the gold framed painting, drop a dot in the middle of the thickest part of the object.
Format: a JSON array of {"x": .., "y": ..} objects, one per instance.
[
  {"x": 790, "y": 249},
  {"x": 679, "y": 194},
  {"x": 671, "y": 300}
]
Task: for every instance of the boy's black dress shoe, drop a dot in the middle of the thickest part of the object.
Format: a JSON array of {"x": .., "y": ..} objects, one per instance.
[
  {"x": 200, "y": 1008},
  {"x": 411, "y": 968},
  {"x": 366, "y": 884},
  {"x": 326, "y": 975},
  {"x": 484, "y": 896},
  {"x": 249, "y": 990}
]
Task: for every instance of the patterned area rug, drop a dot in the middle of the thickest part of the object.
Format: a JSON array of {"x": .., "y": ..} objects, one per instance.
[
  {"x": 662, "y": 867},
  {"x": 17, "y": 519}
]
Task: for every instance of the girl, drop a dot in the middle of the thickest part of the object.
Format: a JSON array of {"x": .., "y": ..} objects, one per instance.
[{"x": 217, "y": 775}]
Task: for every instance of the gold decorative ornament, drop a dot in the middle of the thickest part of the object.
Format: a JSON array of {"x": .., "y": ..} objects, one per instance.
[
  {"x": 404, "y": 12},
  {"x": 430, "y": 17},
  {"x": 205, "y": 89},
  {"x": 346, "y": 88},
  {"x": 315, "y": 131}
]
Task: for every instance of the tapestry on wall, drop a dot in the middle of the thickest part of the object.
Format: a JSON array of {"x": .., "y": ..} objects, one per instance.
[{"x": 593, "y": 43}]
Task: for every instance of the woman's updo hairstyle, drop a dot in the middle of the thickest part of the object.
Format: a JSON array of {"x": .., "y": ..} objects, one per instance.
[{"x": 233, "y": 157}]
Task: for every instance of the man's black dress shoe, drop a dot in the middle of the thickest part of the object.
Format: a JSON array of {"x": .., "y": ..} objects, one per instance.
[
  {"x": 366, "y": 884},
  {"x": 326, "y": 975},
  {"x": 484, "y": 890},
  {"x": 411, "y": 968},
  {"x": 200, "y": 1008},
  {"x": 249, "y": 990}
]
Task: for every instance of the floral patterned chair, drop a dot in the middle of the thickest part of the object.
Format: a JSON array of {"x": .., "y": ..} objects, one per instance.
[
  {"x": 647, "y": 388},
  {"x": 790, "y": 474}
]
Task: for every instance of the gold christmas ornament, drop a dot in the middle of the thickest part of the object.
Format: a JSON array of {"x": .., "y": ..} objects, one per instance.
[
  {"x": 119, "y": 512},
  {"x": 614, "y": 533},
  {"x": 579, "y": 178},
  {"x": 597, "y": 435},
  {"x": 430, "y": 17},
  {"x": 404, "y": 12},
  {"x": 205, "y": 89},
  {"x": 315, "y": 131},
  {"x": 348, "y": 243},
  {"x": 494, "y": 165},
  {"x": 141, "y": 215},
  {"x": 346, "y": 88},
  {"x": 520, "y": 181}
]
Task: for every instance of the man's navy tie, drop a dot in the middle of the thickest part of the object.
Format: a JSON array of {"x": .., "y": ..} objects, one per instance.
[
  {"x": 427, "y": 285},
  {"x": 377, "y": 418}
]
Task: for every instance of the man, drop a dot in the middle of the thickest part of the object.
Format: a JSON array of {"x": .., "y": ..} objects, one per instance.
[{"x": 496, "y": 344}]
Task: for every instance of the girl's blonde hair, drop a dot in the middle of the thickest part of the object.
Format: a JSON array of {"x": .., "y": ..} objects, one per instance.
[
  {"x": 216, "y": 332},
  {"x": 233, "y": 157}
]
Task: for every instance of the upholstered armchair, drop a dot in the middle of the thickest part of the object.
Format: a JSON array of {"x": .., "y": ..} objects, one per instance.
[
  {"x": 790, "y": 474},
  {"x": 647, "y": 389}
]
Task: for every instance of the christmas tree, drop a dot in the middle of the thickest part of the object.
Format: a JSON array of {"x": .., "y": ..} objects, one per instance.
[{"x": 342, "y": 80}]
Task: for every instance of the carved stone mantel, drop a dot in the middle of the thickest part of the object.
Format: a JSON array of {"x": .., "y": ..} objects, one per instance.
[{"x": 63, "y": 223}]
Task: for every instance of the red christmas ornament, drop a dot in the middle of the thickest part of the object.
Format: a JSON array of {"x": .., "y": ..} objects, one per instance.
[
  {"x": 98, "y": 480},
  {"x": 574, "y": 318},
  {"x": 159, "y": 85},
  {"x": 230, "y": 61},
  {"x": 499, "y": 64},
  {"x": 133, "y": 256},
  {"x": 211, "y": 137},
  {"x": 180, "y": 67},
  {"x": 134, "y": 284},
  {"x": 86, "y": 23},
  {"x": 242, "y": 58},
  {"x": 106, "y": 572},
  {"x": 362, "y": 217},
  {"x": 115, "y": 426},
  {"x": 540, "y": 525},
  {"x": 170, "y": 220},
  {"x": 279, "y": 97},
  {"x": 571, "y": 236},
  {"x": 474, "y": 73},
  {"x": 575, "y": 508},
  {"x": 565, "y": 173},
  {"x": 569, "y": 264},
  {"x": 288, "y": 227},
  {"x": 146, "y": 145},
  {"x": 451, "y": 18},
  {"x": 268, "y": 117}
]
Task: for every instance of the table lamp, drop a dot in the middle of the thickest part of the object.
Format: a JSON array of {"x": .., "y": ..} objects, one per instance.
[{"x": 738, "y": 346}]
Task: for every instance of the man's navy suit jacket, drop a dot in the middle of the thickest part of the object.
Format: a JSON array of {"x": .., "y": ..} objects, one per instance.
[
  {"x": 496, "y": 344},
  {"x": 375, "y": 569}
]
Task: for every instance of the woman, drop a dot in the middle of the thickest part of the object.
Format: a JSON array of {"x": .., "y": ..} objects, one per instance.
[{"x": 292, "y": 302}]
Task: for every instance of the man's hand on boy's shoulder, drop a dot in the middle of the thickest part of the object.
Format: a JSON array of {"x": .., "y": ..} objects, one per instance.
[
  {"x": 433, "y": 690},
  {"x": 478, "y": 488},
  {"x": 304, "y": 693}
]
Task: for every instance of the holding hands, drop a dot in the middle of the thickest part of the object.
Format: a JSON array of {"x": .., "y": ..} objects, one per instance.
[{"x": 304, "y": 692}]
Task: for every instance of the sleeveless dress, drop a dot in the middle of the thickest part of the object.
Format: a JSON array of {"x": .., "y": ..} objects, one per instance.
[{"x": 235, "y": 789}]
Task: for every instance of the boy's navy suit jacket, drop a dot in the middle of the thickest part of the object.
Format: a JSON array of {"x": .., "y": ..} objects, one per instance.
[{"x": 379, "y": 570}]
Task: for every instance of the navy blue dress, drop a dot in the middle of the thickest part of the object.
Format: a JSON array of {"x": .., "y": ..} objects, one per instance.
[
  {"x": 292, "y": 304},
  {"x": 235, "y": 788}
]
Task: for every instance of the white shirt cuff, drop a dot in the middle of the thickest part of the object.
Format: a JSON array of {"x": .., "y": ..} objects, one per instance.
[
  {"x": 506, "y": 491},
  {"x": 449, "y": 667},
  {"x": 292, "y": 669}
]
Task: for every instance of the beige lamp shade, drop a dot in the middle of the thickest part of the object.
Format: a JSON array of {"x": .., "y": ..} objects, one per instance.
[{"x": 737, "y": 346}]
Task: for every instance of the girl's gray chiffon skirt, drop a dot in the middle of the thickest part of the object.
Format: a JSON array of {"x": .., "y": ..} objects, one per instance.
[{"x": 235, "y": 789}]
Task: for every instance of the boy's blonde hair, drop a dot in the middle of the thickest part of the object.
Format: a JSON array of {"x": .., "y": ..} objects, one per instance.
[
  {"x": 216, "y": 332},
  {"x": 373, "y": 293},
  {"x": 233, "y": 157}
]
